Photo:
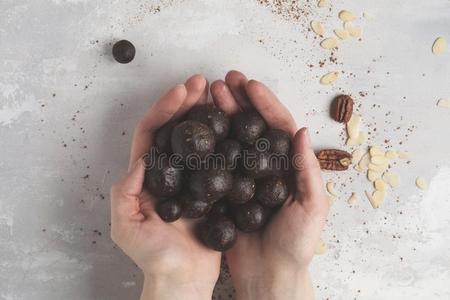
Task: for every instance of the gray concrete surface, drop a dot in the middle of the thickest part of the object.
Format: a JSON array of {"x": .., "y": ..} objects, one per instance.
[{"x": 67, "y": 112}]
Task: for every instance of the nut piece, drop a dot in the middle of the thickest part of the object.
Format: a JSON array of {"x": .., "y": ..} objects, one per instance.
[
  {"x": 379, "y": 160},
  {"x": 392, "y": 179},
  {"x": 353, "y": 126},
  {"x": 421, "y": 183},
  {"x": 444, "y": 103},
  {"x": 374, "y": 151},
  {"x": 342, "y": 108},
  {"x": 373, "y": 175},
  {"x": 329, "y": 43},
  {"x": 404, "y": 154},
  {"x": 346, "y": 15},
  {"x": 330, "y": 188},
  {"x": 391, "y": 154},
  {"x": 317, "y": 28},
  {"x": 353, "y": 200},
  {"x": 380, "y": 185},
  {"x": 329, "y": 78},
  {"x": 341, "y": 33},
  {"x": 364, "y": 162},
  {"x": 376, "y": 198},
  {"x": 357, "y": 155},
  {"x": 439, "y": 46},
  {"x": 322, "y": 3},
  {"x": 321, "y": 248},
  {"x": 334, "y": 160},
  {"x": 354, "y": 31}
]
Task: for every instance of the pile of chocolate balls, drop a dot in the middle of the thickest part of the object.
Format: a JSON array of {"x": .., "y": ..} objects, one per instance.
[{"x": 230, "y": 172}]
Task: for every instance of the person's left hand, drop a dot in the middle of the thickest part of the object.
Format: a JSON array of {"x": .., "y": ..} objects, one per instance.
[{"x": 175, "y": 263}]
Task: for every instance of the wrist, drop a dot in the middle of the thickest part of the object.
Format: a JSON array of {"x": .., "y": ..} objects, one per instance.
[
  {"x": 157, "y": 287},
  {"x": 279, "y": 284}
]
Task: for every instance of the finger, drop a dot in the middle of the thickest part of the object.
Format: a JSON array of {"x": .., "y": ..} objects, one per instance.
[
  {"x": 237, "y": 81},
  {"x": 271, "y": 109},
  {"x": 223, "y": 98},
  {"x": 159, "y": 114},
  {"x": 204, "y": 96},
  {"x": 308, "y": 174},
  {"x": 195, "y": 87},
  {"x": 125, "y": 194}
]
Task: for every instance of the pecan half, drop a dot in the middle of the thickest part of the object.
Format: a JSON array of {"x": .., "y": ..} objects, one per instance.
[
  {"x": 342, "y": 108},
  {"x": 333, "y": 159}
]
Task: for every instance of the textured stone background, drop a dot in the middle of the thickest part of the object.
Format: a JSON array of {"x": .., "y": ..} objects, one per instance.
[{"x": 67, "y": 111}]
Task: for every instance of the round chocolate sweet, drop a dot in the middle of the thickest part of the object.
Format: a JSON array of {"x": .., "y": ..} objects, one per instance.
[
  {"x": 169, "y": 210},
  {"x": 123, "y": 51}
]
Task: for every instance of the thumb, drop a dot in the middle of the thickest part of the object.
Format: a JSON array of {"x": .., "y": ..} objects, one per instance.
[
  {"x": 125, "y": 194},
  {"x": 308, "y": 173}
]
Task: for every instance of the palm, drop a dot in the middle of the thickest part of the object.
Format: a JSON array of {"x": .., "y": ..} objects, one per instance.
[{"x": 168, "y": 248}]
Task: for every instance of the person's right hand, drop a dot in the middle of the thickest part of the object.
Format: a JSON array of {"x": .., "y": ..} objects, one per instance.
[
  {"x": 175, "y": 263},
  {"x": 273, "y": 264}
]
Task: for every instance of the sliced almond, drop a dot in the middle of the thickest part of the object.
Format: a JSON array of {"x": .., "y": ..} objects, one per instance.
[
  {"x": 353, "y": 126},
  {"x": 380, "y": 184},
  {"x": 439, "y": 46},
  {"x": 367, "y": 16},
  {"x": 357, "y": 155},
  {"x": 379, "y": 160},
  {"x": 346, "y": 15},
  {"x": 378, "y": 168},
  {"x": 373, "y": 175},
  {"x": 322, "y": 3},
  {"x": 329, "y": 43},
  {"x": 331, "y": 188},
  {"x": 391, "y": 154},
  {"x": 421, "y": 183},
  {"x": 317, "y": 28},
  {"x": 353, "y": 200},
  {"x": 444, "y": 103},
  {"x": 358, "y": 168},
  {"x": 392, "y": 179},
  {"x": 364, "y": 162},
  {"x": 353, "y": 30},
  {"x": 321, "y": 248},
  {"x": 371, "y": 200},
  {"x": 329, "y": 78},
  {"x": 404, "y": 154},
  {"x": 361, "y": 139},
  {"x": 374, "y": 151},
  {"x": 378, "y": 197},
  {"x": 341, "y": 33}
]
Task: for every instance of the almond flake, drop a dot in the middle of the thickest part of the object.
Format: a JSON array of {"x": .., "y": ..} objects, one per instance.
[
  {"x": 346, "y": 15},
  {"x": 367, "y": 16},
  {"x": 391, "y": 154},
  {"x": 380, "y": 185},
  {"x": 444, "y": 103},
  {"x": 341, "y": 33},
  {"x": 322, "y": 3},
  {"x": 379, "y": 160},
  {"x": 439, "y": 46},
  {"x": 321, "y": 248},
  {"x": 364, "y": 162},
  {"x": 378, "y": 168},
  {"x": 357, "y": 155},
  {"x": 330, "y": 188},
  {"x": 353, "y": 126},
  {"x": 392, "y": 179},
  {"x": 352, "y": 30},
  {"x": 376, "y": 198},
  {"x": 373, "y": 175},
  {"x": 317, "y": 27},
  {"x": 421, "y": 183},
  {"x": 329, "y": 78},
  {"x": 374, "y": 151},
  {"x": 404, "y": 155},
  {"x": 353, "y": 200},
  {"x": 329, "y": 43}
]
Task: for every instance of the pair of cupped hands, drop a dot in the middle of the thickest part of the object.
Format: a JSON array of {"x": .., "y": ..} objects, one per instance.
[{"x": 271, "y": 264}]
